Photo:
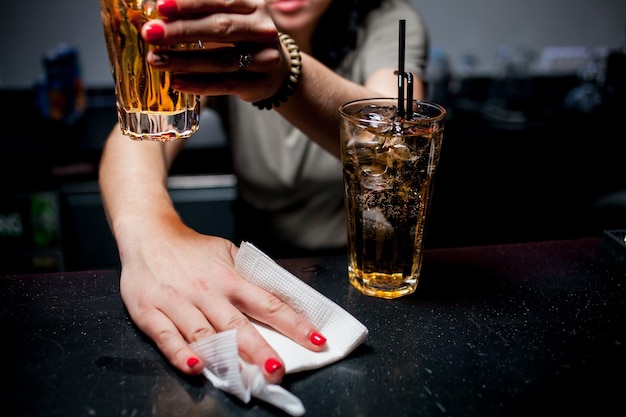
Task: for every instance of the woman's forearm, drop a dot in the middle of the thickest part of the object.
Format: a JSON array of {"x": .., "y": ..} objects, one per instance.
[
  {"x": 133, "y": 183},
  {"x": 314, "y": 106}
]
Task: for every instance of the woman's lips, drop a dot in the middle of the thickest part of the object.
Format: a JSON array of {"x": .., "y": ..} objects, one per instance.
[{"x": 286, "y": 6}]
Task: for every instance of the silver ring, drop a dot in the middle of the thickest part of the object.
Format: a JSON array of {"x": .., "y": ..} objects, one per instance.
[{"x": 245, "y": 60}]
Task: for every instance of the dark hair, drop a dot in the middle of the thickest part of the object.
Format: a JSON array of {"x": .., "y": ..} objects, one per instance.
[{"x": 336, "y": 33}]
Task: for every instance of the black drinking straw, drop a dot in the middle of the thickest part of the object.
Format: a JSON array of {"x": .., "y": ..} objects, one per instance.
[
  {"x": 401, "y": 37},
  {"x": 402, "y": 113}
]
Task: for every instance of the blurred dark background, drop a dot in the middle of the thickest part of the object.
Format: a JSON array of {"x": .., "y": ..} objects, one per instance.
[{"x": 532, "y": 150}]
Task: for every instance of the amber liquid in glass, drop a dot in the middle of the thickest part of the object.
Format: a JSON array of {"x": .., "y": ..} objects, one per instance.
[
  {"x": 148, "y": 108},
  {"x": 388, "y": 176}
]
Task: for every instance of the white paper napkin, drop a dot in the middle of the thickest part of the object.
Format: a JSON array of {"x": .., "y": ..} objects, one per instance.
[{"x": 228, "y": 372}]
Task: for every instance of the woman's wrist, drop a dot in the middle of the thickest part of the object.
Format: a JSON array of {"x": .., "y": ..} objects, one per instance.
[{"x": 292, "y": 79}]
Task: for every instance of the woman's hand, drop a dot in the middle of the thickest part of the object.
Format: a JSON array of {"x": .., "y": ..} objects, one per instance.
[
  {"x": 227, "y": 31},
  {"x": 180, "y": 286}
]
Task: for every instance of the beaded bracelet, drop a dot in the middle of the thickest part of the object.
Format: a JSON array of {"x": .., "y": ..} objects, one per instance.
[{"x": 292, "y": 79}]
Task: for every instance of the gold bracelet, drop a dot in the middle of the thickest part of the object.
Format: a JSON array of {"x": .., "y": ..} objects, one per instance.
[{"x": 291, "y": 81}]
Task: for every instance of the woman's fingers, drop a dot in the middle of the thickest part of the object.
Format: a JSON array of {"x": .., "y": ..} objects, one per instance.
[
  {"x": 212, "y": 76},
  {"x": 230, "y": 22},
  {"x": 271, "y": 310},
  {"x": 253, "y": 348},
  {"x": 177, "y": 323},
  {"x": 224, "y": 59},
  {"x": 182, "y": 8},
  {"x": 167, "y": 337}
]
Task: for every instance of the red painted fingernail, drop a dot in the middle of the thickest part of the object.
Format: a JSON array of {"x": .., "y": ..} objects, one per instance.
[
  {"x": 272, "y": 365},
  {"x": 191, "y": 362},
  {"x": 317, "y": 339},
  {"x": 167, "y": 7},
  {"x": 154, "y": 32}
]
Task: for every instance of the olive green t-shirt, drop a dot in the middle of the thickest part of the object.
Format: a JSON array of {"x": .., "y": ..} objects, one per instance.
[{"x": 281, "y": 171}]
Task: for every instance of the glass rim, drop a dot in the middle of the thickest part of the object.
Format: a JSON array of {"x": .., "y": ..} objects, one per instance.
[{"x": 394, "y": 101}]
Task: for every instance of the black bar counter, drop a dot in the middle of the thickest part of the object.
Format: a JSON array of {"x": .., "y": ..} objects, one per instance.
[{"x": 528, "y": 329}]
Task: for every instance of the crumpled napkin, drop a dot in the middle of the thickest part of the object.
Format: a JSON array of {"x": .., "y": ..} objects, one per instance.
[{"x": 228, "y": 372}]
